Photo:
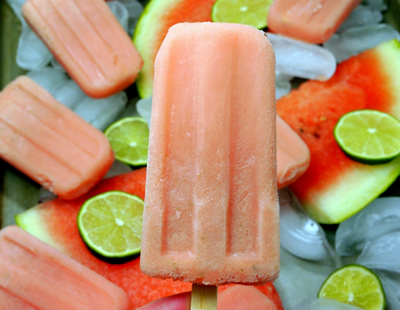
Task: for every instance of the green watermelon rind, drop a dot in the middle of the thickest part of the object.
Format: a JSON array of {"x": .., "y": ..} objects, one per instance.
[
  {"x": 147, "y": 27},
  {"x": 331, "y": 206},
  {"x": 383, "y": 176},
  {"x": 31, "y": 221}
]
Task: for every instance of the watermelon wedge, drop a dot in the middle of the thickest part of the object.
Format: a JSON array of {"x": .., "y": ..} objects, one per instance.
[
  {"x": 152, "y": 27},
  {"x": 54, "y": 222},
  {"x": 335, "y": 187}
]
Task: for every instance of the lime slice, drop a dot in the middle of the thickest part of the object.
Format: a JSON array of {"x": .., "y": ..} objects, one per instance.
[
  {"x": 355, "y": 285},
  {"x": 111, "y": 224},
  {"x": 129, "y": 139},
  {"x": 248, "y": 12},
  {"x": 369, "y": 136}
]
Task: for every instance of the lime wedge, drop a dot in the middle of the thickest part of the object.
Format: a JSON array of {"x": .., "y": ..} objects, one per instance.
[
  {"x": 110, "y": 224},
  {"x": 369, "y": 136},
  {"x": 129, "y": 139},
  {"x": 355, "y": 285},
  {"x": 249, "y": 12}
]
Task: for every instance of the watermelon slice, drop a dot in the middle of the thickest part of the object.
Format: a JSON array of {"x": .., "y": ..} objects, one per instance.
[
  {"x": 157, "y": 17},
  {"x": 54, "y": 222},
  {"x": 335, "y": 187}
]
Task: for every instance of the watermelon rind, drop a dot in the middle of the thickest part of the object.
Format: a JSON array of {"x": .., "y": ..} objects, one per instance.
[
  {"x": 31, "y": 221},
  {"x": 361, "y": 183},
  {"x": 152, "y": 27}
]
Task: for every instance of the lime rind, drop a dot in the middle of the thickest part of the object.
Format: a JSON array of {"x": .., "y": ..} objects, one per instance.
[
  {"x": 129, "y": 139},
  {"x": 369, "y": 136},
  {"x": 110, "y": 224},
  {"x": 253, "y": 13},
  {"x": 355, "y": 285}
]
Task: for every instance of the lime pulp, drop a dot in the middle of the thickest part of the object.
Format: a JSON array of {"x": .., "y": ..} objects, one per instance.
[{"x": 110, "y": 224}]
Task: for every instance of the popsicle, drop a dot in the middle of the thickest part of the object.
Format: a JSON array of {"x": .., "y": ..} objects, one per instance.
[
  {"x": 33, "y": 275},
  {"x": 50, "y": 143},
  {"x": 88, "y": 41},
  {"x": 211, "y": 208},
  {"x": 293, "y": 155},
  {"x": 313, "y": 21}
]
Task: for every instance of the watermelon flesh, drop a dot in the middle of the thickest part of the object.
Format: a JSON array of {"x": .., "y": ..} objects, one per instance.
[
  {"x": 157, "y": 17},
  {"x": 54, "y": 222},
  {"x": 335, "y": 187}
]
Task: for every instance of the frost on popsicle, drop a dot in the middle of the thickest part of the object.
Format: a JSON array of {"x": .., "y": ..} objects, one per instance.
[
  {"x": 380, "y": 217},
  {"x": 301, "y": 59},
  {"x": 299, "y": 234}
]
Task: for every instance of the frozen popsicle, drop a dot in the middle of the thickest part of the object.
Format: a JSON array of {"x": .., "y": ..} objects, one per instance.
[
  {"x": 293, "y": 155},
  {"x": 50, "y": 143},
  {"x": 313, "y": 21},
  {"x": 88, "y": 41},
  {"x": 35, "y": 276},
  {"x": 211, "y": 208}
]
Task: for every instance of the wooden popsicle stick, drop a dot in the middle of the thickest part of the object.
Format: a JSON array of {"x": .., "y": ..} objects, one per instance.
[{"x": 204, "y": 297}]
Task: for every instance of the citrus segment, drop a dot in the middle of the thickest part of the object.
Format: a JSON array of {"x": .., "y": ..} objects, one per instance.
[
  {"x": 111, "y": 224},
  {"x": 355, "y": 285},
  {"x": 249, "y": 12},
  {"x": 129, "y": 139},
  {"x": 369, "y": 136}
]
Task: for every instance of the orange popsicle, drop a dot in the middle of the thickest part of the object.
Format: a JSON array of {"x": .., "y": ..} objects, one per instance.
[
  {"x": 293, "y": 155},
  {"x": 211, "y": 207},
  {"x": 88, "y": 41},
  {"x": 313, "y": 21},
  {"x": 33, "y": 275},
  {"x": 50, "y": 143}
]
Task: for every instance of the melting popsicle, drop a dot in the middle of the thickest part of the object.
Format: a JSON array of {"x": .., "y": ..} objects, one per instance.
[
  {"x": 88, "y": 41},
  {"x": 33, "y": 275},
  {"x": 50, "y": 143},
  {"x": 313, "y": 21},
  {"x": 211, "y": 208}
]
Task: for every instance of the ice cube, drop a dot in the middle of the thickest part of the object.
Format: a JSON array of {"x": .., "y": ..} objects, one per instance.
[
  {"x": 101, "y": 112},
  {"x": 358, "y": 39},
  {"x": 391, "y": 286},
  {"x": 56, "y": 65},
  {"x": 32, "y": 53},
  {"x": 299, "y": 234},
  {"x": 16, "y": 6},
  {"x": 283, "y": 87},
  {"x": 299, "y": 279},
  {"x": 376, "y": 4},
  {"x": 143, "y": 107},
  {"x": 296, "y": 58},
  {"x": 45, "y": 195},
  {"x": 382, "y": 253},
  {"x": 49, "y": 78},
  {"x": 361, "y": 16},
  {"x": 135, "y": 9},
  {"x": 378, "y": 218},
  {"x": 120, "y": 12},
  {"x": 117, "y": 168},
  {"x": 70, "y": 94},
  {"x": 325, "y": 304}
]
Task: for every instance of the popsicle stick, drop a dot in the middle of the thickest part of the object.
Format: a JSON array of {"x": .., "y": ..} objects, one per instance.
[{"x": 204, "y": 297}]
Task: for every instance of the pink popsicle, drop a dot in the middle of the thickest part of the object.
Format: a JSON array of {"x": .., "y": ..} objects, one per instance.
[
  {"x": 293, "y": 155},
  {"x": 211, "y": 214},
  {"x": 33, "y": 276},
  {"x": 313, "y": 21},
  {"x": 88, "y": 41},
  {"x": 50, "y": 143}
]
